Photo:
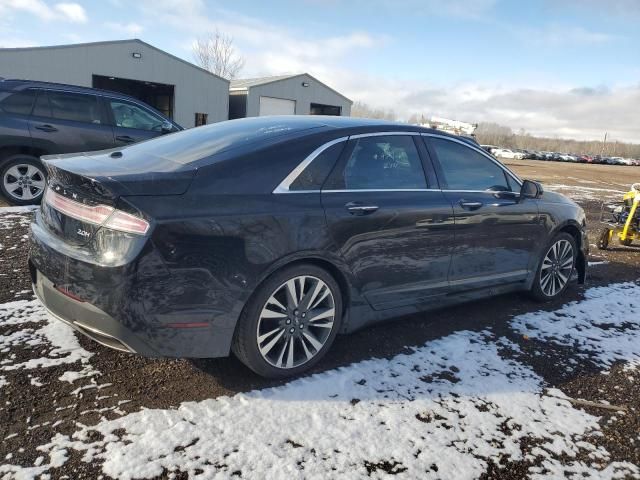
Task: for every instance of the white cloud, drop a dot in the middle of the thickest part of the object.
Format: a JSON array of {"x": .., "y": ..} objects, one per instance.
[
  {"x": 131, "y": 29},
  {"x": 72, "y": 12}
]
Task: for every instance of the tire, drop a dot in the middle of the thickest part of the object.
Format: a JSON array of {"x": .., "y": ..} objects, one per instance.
[
  {"x": 603, "y": 239},
  {"x": 626, "y": 242},
  {"x": 276, "y": 355},
  {"x": 554, "y": 271},
  {"x": 22, "y": 179}
]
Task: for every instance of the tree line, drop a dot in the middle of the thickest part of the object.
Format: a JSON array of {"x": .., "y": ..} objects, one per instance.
[{"x": 499, "y": 135}]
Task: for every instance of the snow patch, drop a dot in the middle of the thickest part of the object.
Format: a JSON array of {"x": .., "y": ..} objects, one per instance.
[
  {"x": 39, "y": 331},
  {"x": 443, "y": 411},
  {"x": 604, "y": 327}
]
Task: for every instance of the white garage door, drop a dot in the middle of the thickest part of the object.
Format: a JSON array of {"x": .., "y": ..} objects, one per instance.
[{"x": 276, "y": 106}]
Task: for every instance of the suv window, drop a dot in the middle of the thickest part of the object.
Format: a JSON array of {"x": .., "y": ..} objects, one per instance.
[
  {"x": 384, "y": 162},
  {"x": 129, "y": 115},
  {"x": 77, "y": 107},
  {"x": 17, "y": 102},
  {"x": 466, "y": 169}
]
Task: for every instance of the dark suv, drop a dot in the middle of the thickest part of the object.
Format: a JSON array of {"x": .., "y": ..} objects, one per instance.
[{"x": 40, "y": 118}]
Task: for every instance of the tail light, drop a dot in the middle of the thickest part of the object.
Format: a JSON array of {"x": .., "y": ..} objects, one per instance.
[{"x": 103, "y": 215}]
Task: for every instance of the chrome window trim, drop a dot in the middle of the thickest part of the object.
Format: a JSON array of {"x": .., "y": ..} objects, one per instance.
[
  {"x": 480, "y": 151},
  {"x": 284, "y": 186},
  {"x": 356, "y": 190},
  {"x": 382, "y": 134}
]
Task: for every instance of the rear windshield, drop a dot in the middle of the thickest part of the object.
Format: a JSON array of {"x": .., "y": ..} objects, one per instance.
[{"x": 197, "y": 143}]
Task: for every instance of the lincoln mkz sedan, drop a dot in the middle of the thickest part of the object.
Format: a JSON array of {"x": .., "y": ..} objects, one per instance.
[{"x": 269, "y": 236}]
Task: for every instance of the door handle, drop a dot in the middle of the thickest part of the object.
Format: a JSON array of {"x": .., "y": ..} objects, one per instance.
[
  {"x": 125, "y": 139},
  {"x": 468, "y": 205},
  {"x": 356, "y": 208},
  {"x": 46, "y": 128}
]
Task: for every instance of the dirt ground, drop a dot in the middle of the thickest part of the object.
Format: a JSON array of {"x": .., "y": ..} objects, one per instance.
[{"x": 47, "y": 402}]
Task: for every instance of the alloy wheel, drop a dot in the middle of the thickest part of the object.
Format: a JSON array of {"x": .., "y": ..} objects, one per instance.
[
  {"x": 24, "y": 181},
  {"x": 296, "y": 322},
  {"x": 557, "y": 267}
]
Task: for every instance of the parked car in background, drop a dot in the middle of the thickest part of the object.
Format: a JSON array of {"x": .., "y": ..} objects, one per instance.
[
  {"x": 585, "y": 159},
  {"x": 507, "y": 153},
  {"x": 41, "y": 118},
  {"x": 268, "y": 236},
  {"x": 489, "y": 148}
]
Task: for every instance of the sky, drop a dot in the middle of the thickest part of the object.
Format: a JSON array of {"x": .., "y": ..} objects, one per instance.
[{"x": 559, "y": 68}]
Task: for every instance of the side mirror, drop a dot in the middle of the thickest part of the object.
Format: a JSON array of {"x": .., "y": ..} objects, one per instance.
[
  {"x": 531, "y": 189},
  {"x": 167, "y": 127}
]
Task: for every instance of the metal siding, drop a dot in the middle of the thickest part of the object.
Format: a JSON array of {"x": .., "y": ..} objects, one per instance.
[
  {"x": 292, "y": 89},
  {"x": 195, "y": 90}
]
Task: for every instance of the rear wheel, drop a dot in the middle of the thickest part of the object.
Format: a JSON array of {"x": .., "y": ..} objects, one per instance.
[
  {"x": 556, "y": 268},
  {"x": 290, "y": 323},
  {"x": 23, "y": 179}
]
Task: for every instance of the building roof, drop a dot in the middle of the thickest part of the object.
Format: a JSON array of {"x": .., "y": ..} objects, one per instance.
[
  {"x": 115, "y": 42},
  {"x": 244, "y": 84}
]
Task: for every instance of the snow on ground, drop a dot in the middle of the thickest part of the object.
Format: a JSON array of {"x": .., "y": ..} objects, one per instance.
[
  {"x": 36, "y": 331},
  {"x": 444, "y": 410},
  {"x": 605, "y": 326},
  {"x": 12, "y": 217},
  {"x": 580, "y": 193}
]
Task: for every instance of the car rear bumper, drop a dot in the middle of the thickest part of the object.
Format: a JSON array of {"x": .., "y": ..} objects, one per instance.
[
  {"x": 87, "y": 319},
  {"x": 120, "y": 309}
]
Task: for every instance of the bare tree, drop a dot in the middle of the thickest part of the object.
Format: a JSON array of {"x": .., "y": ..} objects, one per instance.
[
  {"x": 361, "y": 109},
  {"x": 215, "y": 52}
]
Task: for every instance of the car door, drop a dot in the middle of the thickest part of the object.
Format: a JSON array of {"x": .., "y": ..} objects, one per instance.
[
  {"x": 132, "y": 122},
  {"x": 496, "y": 231},
  {"x": 390, "y": 222},
  {"x": 67, "y": 122}
]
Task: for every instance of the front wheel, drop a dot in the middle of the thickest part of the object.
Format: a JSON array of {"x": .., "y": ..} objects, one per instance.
[
  {"x": 290, "y": 322},
  {"x": 555, "y": 269}
]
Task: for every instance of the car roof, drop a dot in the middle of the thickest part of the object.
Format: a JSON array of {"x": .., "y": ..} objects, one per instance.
[
  {"x": 18, "y": 84},
  {"x": 306, "y": 124}
]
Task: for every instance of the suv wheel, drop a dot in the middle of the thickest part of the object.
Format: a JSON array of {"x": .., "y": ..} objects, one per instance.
[
  {"x": 290, "y": 323},
  {"x": 22, "y": 179},
  {"x": 556, "y": 268}
]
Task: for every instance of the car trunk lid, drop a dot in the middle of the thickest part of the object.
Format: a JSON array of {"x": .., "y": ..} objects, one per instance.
[{"x": 84, "y": 190}]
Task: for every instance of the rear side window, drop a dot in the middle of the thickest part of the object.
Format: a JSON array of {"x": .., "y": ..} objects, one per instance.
[
  {"x": 42, "y": 107},
  {"x": 17, "y": 102},
  {"x": 382, "y": 163},
  {"x": 317, "y": 171},
  {"x": 466, "y": 169},
  {"x": 77, "y": 107}
]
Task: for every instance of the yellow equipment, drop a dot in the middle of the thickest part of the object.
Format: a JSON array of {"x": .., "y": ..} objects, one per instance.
[{"x": 621, "y": 219}]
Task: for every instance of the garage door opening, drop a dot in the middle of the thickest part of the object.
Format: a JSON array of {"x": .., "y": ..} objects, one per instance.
[
  {"x": 320, "y": 109},
  {"x": 277, "y": 106},
  {"x": 159, "y": 95}
]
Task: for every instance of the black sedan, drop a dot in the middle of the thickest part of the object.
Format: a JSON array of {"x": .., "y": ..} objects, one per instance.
[{"x": 269, "y": 236}]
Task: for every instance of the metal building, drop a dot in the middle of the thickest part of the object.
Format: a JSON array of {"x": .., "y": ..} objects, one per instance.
[
  {"x": 177, "y": 88},
  {"x": 299, "y": 94}
]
